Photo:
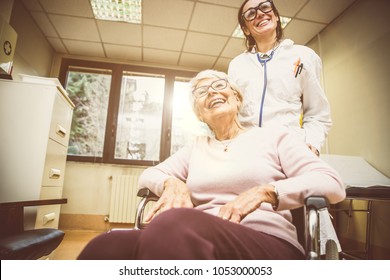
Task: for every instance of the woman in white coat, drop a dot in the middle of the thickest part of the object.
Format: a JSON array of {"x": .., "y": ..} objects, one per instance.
[{"x": 279, "y": 79}]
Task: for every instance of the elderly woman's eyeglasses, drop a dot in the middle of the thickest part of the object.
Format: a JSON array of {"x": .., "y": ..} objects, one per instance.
[
  {"x": 217, "y": 85},
  {"x": 251, "y": 13}
]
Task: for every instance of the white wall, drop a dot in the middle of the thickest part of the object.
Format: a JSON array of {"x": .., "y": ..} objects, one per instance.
[
  {"x": 33, "y": 53},
  {"x": 6, "y": 9},
  {"x": 88, "y": 187},
  {"x": 355, "y": 53},
  {"x": 356, "y": 59}
]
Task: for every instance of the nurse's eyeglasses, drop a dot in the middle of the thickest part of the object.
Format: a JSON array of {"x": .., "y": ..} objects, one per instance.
[
  {"x": 217, "y": 85},
  {"x": 251, "y": 13}
]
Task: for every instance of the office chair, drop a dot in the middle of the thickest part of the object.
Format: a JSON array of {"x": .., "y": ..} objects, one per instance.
[
  {"x": 306, "y": 220},
  {"x": 19, "y": 244}
]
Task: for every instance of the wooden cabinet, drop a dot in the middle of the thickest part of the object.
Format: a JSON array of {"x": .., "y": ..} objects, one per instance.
[{"x": 35, "y": 120}]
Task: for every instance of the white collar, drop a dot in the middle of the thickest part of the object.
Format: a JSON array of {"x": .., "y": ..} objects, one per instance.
[{"x": 282, "y": 43}]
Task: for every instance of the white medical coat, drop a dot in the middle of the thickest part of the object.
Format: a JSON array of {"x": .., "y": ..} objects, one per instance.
[{"x": 287, "y": 94}]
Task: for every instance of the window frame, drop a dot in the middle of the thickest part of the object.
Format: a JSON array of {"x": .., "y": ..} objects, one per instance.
[{"x": 117, "y": 71}]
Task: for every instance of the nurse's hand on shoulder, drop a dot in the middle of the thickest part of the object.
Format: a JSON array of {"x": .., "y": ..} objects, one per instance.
[{"x": 314, "y": 150}]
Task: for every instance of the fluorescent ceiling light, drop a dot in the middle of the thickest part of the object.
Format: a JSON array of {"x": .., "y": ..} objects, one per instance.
[
  {"x": 118, "y": 10},
  {"x": 285, "y": 21},
  {"x": 239, "y": 34}
]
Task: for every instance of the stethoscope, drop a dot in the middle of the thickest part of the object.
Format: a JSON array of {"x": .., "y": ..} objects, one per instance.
[{"x": 263, "y": 61}]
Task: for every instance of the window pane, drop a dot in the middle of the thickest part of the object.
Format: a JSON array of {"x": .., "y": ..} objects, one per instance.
[
  {"x": 89, "y": 92},
  {"x": 185, "y": 125},
  {"x": 140, "y": 117}
]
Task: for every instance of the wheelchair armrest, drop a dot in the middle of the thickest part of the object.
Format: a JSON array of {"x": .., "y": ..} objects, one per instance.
[
  {"x": 317, "y": 202},
  {"x": 312, "y": 225},
  {"x": 147, "y": 196}
]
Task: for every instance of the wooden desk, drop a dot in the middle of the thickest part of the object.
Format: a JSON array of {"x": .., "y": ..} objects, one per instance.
[{"x": 12, "y": 213}]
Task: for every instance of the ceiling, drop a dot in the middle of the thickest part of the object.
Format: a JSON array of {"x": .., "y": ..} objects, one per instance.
[{"x": 174, "y": 33}]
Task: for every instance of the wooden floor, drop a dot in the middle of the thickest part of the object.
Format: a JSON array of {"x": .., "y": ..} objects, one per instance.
[{"x": 74, "y": 241}]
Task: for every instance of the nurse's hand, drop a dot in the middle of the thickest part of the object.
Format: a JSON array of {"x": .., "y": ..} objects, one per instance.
[{"x": 314, "y": 150}]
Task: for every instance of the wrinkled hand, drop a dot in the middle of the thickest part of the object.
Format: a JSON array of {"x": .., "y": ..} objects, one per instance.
[
  {"x": 247, "y": 202},
  {"x": 175, "y": 195}
]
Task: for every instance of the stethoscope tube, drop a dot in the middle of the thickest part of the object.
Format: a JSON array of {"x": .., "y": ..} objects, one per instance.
[{"x": 263, "y": 62}]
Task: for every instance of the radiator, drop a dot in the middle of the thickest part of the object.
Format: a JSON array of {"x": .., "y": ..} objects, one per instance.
[{"x": 124, "y": 200}]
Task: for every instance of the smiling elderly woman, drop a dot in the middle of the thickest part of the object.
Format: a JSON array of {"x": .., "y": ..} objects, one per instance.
[{"x": 228, "y": 196}]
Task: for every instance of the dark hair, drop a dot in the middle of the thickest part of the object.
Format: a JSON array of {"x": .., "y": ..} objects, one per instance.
[{"x": 249, "y": 40}]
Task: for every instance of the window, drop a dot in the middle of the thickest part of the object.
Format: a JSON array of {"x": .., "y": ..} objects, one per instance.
[
  {"x": 140, "y": 117},
  {"x": 127, "y": 114},
  {"x": 89, "y": 91},
  {"x": 185, "y": 125}
]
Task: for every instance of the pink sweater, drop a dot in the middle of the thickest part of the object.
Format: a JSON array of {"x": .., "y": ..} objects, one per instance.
[{"x": 258, "y": 156}]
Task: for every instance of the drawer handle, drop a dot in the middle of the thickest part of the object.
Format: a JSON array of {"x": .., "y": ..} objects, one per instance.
[
  {"x": 61, "y": 131},
  {"x": 54, "y": 173}
]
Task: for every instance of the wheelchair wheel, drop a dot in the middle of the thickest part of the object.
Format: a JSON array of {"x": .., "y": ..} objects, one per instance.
[{"x": 332, "y": 252}]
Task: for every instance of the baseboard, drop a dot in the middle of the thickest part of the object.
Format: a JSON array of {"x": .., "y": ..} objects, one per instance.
[{"x": 88, "y": 222}]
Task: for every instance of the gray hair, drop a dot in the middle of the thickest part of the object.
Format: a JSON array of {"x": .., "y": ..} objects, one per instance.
[{"x": 209, "y": 74}]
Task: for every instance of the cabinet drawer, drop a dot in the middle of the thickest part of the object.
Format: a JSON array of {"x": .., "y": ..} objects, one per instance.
[
  {"x": 61, "y": 120},
  {"x": 48, "y": 216},
  {"x": 54, "y": 170}
]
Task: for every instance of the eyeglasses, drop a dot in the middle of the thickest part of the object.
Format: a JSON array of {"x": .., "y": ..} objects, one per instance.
[
  {"x": 217, "y": 85},
  {"x": 251, "y": 13}
]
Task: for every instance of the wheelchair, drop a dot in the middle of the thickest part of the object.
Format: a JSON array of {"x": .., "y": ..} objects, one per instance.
[{"x": 305, "y": 219}]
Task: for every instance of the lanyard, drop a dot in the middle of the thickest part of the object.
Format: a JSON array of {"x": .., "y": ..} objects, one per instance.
[{"x": 263, "y": 62}]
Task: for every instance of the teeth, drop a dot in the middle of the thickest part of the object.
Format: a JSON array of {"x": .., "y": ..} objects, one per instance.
[
  {"x": 262, "y": 22},
  {"x": 216, "y": 101}
]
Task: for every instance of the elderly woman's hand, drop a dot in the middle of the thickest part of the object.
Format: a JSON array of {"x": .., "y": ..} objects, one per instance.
[
  {"x": 247, "y": 202},
  {"x": 175, "y": 195}
]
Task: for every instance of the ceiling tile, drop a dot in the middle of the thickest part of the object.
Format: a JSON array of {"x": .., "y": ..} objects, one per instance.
[
  {"x": 57, "y": 45},
  {"x": 120, "y": 33},
  {"x": 233, "y": 48},
  {"x": 197, "y": 61},
  {"x": 81, "y": 8},
  {"x": 323, "y": 11},
  {"x": 167, "y": 13},
  {"x": 295, "y": 27},
  {"x": 222, "y": 64},
  {"x": 161, "y": 57},
  {"x": 75, "y": 28},
  {"x": 230, "y": 3},
  {"x": 123, "y": 52},
  {"x": 188, "y": 33},
  {"x": 289, "y": 8},
  {"x": 214, "y": 19},
  {"x": 44, "y": 24},
  {"x": 84, "y": 48},
  {"x": 204, "y": 43},
  {"x": 163, "y": 38}
]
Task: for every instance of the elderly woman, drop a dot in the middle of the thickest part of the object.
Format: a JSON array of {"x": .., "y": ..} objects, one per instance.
[{"x": 227, "y": 196}]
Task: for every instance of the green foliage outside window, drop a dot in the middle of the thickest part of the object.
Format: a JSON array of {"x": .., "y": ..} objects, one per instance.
[{"x": 89, "y": 92}]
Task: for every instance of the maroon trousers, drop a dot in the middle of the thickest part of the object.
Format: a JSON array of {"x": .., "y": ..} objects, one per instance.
[{"x": 189, "y": 234}]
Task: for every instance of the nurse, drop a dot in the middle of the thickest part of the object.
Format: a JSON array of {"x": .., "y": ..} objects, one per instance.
[{"x": 280, "y": 80}]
